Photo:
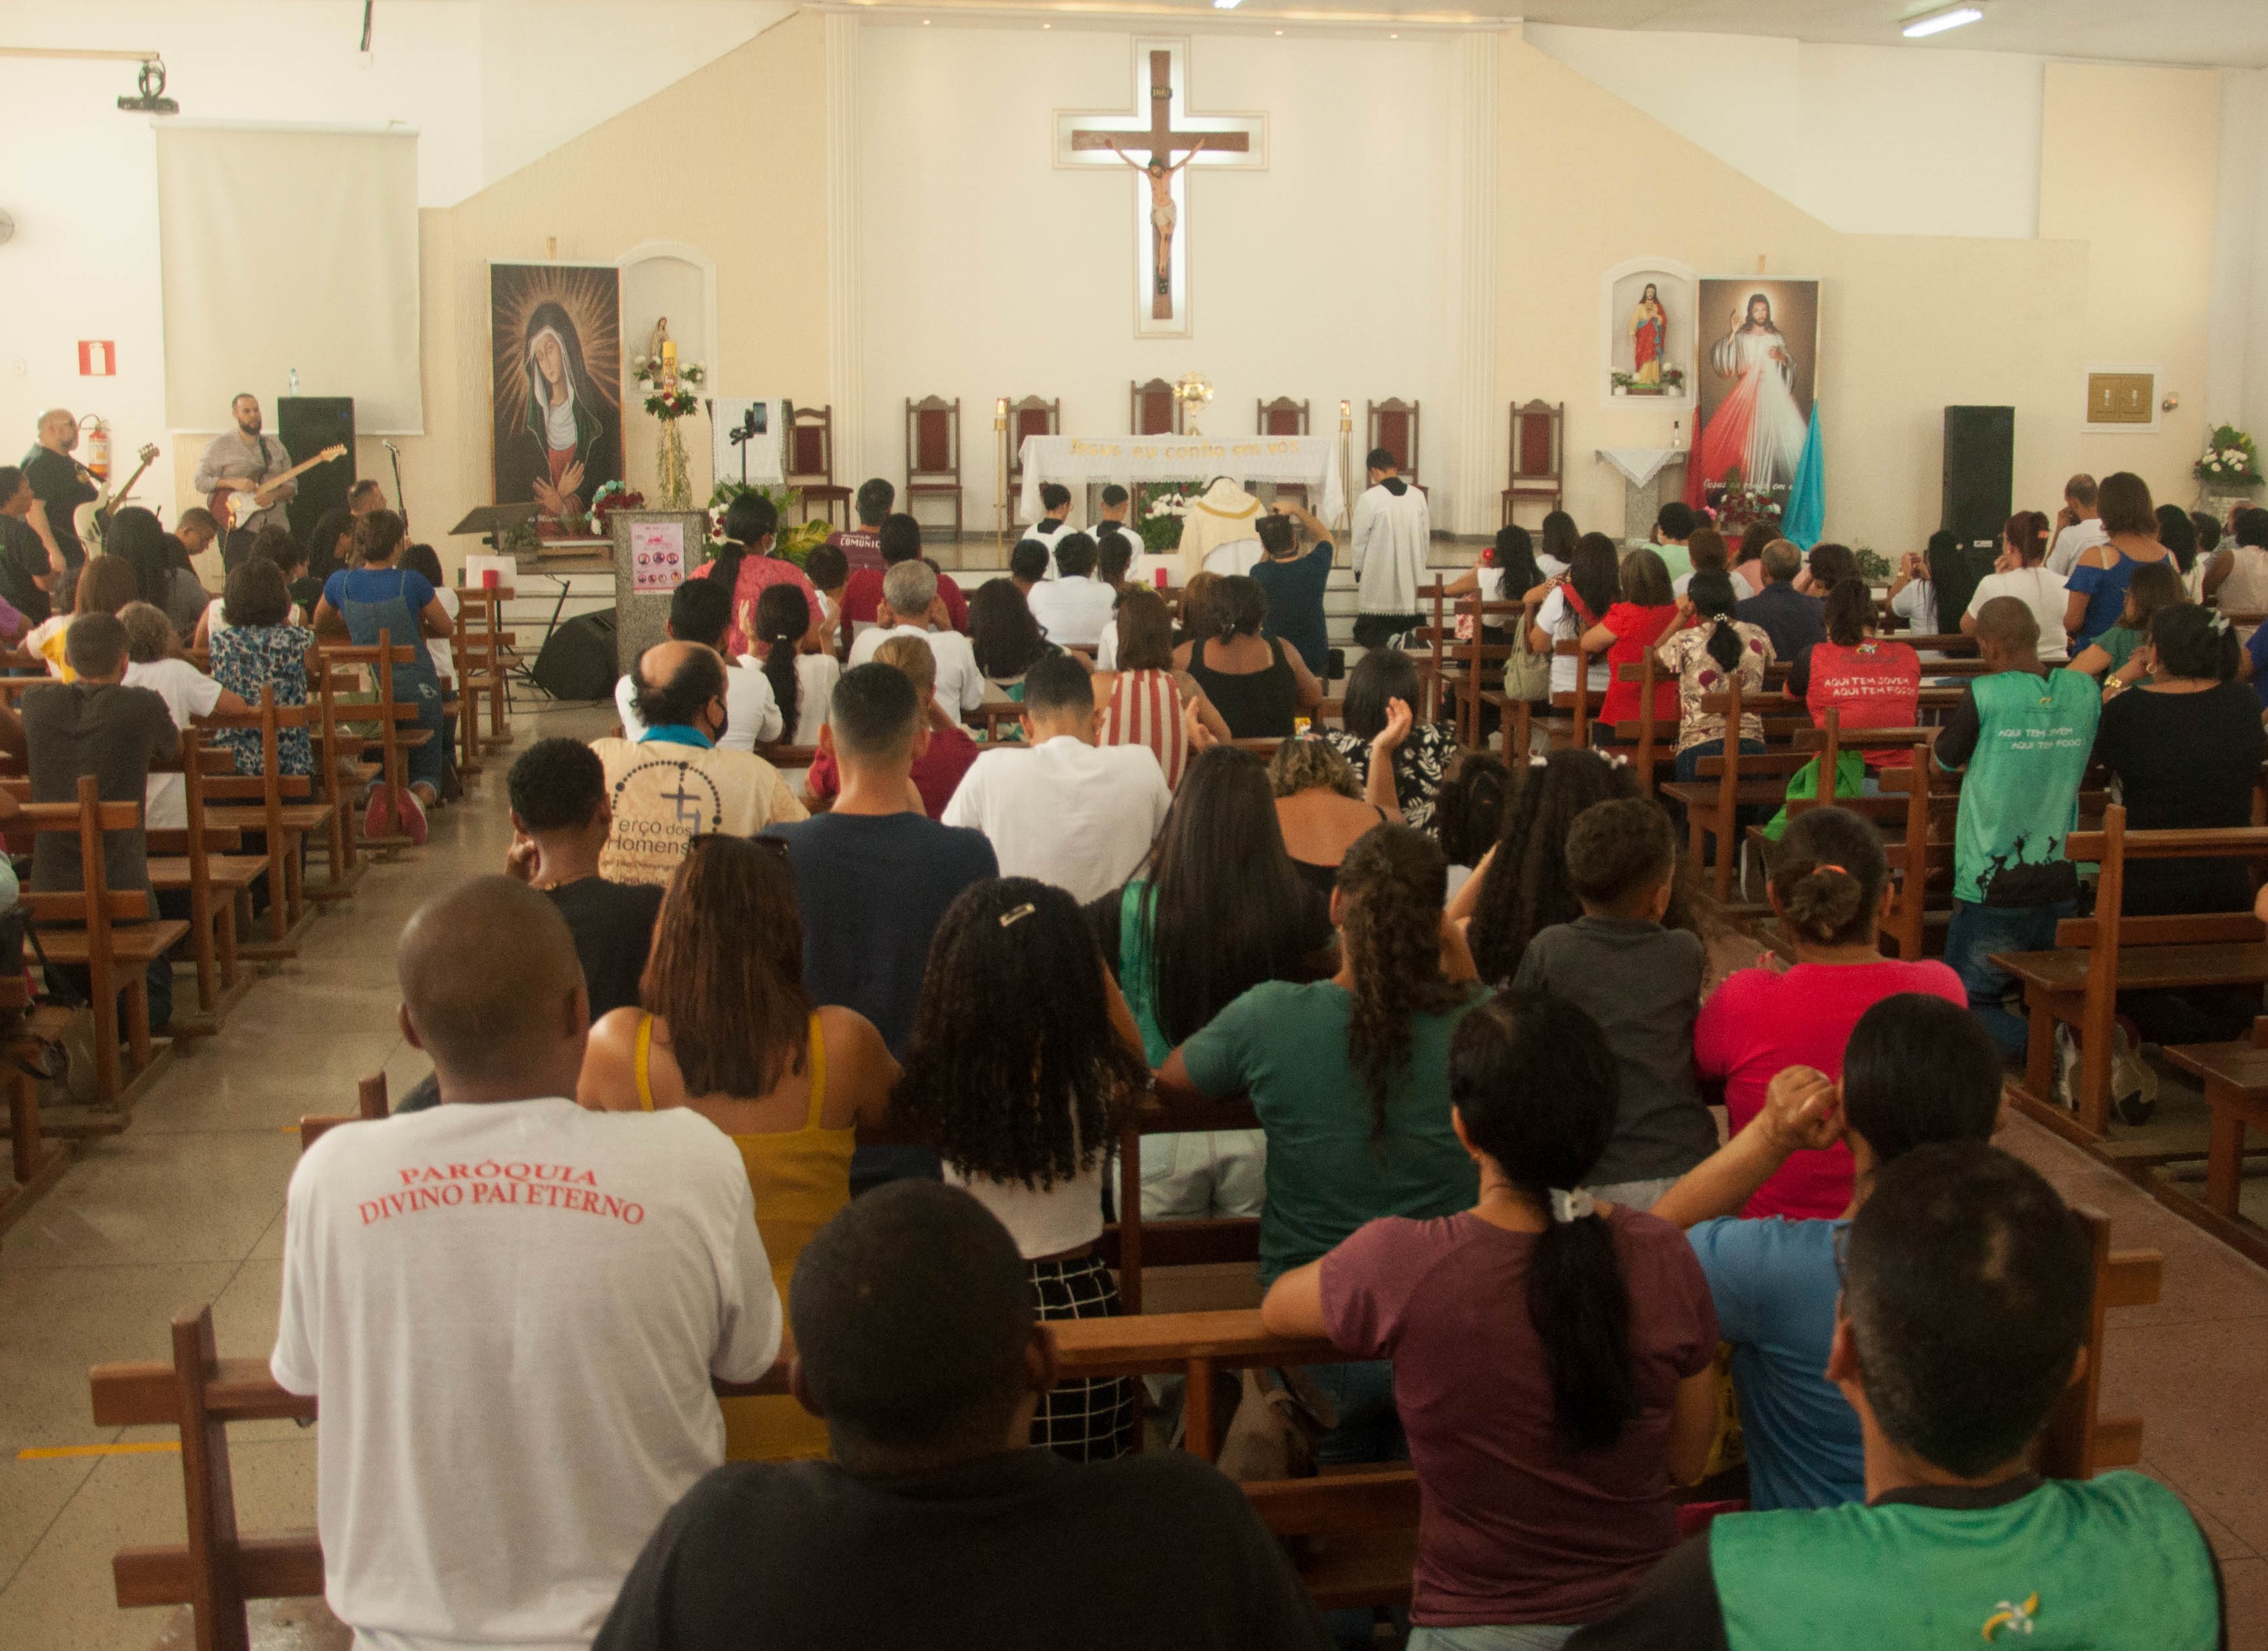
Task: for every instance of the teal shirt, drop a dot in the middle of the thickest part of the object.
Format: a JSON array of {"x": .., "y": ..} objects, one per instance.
[
  {"x": 2021, "y": 797},
  {"x": 1286, "y": 1046},
  {"x": 2071, "y": 1565}
]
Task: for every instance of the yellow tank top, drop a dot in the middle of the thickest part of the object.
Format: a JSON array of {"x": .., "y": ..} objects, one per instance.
[{"x": 799, "y": 1178}]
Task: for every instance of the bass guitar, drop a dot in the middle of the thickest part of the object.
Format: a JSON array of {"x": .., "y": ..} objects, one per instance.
[
  {"x": 109, "y": 507},
  {"x": 232, "y": 507}
]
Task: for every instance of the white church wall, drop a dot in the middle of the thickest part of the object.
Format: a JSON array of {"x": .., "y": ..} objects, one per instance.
[
  {"x": 1886, "y": 140},
  {"x": 988, "y": 272},
  {"x": 2236, "y": 365},
  {"x": 488, "y": 85}
]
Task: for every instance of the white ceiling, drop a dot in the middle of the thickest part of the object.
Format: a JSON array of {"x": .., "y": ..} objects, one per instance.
[{"x": 2220, "y": 32}]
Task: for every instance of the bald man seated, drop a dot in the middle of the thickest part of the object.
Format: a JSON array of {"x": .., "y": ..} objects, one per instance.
[
  {"x": 675, "y": 779},
  {"x": 510, "y": 1307}
]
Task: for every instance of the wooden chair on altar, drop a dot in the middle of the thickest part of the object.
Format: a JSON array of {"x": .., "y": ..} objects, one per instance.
[
  {"x": 1539, "y": 456},
  {"x": 1284, "y": 417},
  {"x": 1393, "y": 426},
  {"x": 1031, "y": 416},
  {"x": 1155, "y": 409},
  {"x": 933, "y": 454},
  {"x": 811, "y": 462}
]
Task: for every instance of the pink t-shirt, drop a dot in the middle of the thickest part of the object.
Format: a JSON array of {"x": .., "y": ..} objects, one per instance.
[
  {"x": 1516, "y": 1527},
  {"x": 1759, "y": 1022}
]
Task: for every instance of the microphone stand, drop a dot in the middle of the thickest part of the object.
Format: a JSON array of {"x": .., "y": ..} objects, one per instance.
[{"x": 400, "y": 500}]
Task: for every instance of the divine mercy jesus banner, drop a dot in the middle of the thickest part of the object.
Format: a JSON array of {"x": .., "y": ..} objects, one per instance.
[{"x": 1759, "y": 365}]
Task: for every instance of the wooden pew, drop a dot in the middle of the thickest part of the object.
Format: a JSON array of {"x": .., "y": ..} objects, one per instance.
[
  {"x": 397, "y": 730},
  {"x": 119, "y": 937},
  {"x": 283, "y": 808},
  {"x": 488, "y": 649},
  {"x": 213, "y": 881},
  {"x": 370, "y": 1103},
  {"x": 2078, "y": 983},
  {"x": 1359, "y": 1529},
  {"x": 1480, "y": 663},
  {"x": 37, "y": 1162},
  {"x": 2235, "y": 1078}
]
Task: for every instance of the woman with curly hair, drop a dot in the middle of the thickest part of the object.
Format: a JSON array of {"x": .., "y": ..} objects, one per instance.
[
  {"x": 1520, "y": 887},
  {"x": 1324, "y": 809},
  {"x": 727, "y": 1030},
  {"x": 1350, "y": 1079},
  {"x": 1022, "y": 1065}
]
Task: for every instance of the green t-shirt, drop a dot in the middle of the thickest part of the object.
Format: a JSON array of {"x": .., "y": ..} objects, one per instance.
[
  {"x": 1676, "y": 558},
  {"x": 2021, "y": 797},
  {"x": 2074, "y": 1564},
  {"x": 1286, "y": 1046},
  {"x": 2119, "y": 642}
]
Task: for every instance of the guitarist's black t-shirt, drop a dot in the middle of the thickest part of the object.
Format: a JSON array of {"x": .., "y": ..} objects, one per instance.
[
  {"x": 55, "y": 478},
  {"x": 22, "y": 559}
]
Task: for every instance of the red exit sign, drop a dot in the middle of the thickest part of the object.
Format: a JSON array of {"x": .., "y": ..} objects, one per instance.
[{"x": 98, "y": 358}]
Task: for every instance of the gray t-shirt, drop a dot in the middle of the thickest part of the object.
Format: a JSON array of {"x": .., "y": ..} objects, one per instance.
[
  {"x": 1642, "y": 983},
  {"x": 112, "y": 731}
]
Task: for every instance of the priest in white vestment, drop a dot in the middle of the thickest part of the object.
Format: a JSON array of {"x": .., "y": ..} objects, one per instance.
[
  {"x": 1393, "y": 528},
  {"x": 1222, "y": 515}
]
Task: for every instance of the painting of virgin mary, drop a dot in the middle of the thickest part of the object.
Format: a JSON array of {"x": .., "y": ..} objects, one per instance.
[{"x": 558, "y": 416}]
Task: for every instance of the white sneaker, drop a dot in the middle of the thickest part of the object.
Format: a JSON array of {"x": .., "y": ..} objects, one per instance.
[
  {"x": 2133, "y": 1084},
  {"x": 2063, "y": 1090}
]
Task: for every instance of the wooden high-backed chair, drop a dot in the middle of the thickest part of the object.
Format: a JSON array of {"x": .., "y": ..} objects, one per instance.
[
  {"x": 1283, "y": 416},
  {"x": 1154, "y": 409},
  {"x": 1538, "y": 456},
  {"x": 933, "y": 454},
  {"x": 1032, "y": 416},
  {"x": 1393, "y": 426},
  {"x": 811, "y": 462}
]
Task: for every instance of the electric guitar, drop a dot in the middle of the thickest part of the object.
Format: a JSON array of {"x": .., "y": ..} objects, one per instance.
[
  {"x": 109, "y": 507},
  {"x": 232, "y": 507}
]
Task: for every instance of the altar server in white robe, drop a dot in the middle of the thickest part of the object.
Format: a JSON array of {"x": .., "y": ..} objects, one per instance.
[
  {"x": 1393, "y": 528},
  {"x": 1054, "y": 522}
]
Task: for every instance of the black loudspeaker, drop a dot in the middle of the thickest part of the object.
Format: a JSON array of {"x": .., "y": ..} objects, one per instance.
[
  {"x": 306, "y": 424},
  {"x": 578, "y": 661},
  {"x": 1980, "y": 471}
]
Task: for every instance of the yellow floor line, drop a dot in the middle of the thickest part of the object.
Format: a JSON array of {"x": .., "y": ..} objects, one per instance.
[{"x": 137, "y": 1448}]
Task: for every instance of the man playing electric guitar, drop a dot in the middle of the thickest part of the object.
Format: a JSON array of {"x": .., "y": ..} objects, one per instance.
[{"x": 241, "y": 461}]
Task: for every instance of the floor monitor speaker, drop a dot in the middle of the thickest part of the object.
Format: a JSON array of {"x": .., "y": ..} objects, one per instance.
[{"x": 578, "y": 661}]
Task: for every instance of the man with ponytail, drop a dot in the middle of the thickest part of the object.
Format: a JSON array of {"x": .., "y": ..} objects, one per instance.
[
  {"x": 1963, "y": 1317},
  {"x": 1553, "y": 1353}
]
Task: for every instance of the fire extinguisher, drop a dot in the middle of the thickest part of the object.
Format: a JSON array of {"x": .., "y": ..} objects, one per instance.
[{"x": 98, "y": 445}]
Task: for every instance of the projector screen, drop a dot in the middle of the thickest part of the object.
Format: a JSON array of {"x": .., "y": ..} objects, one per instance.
[{"x": 289, "y": 247}]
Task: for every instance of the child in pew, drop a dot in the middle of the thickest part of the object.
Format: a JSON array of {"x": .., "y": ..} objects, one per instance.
[
  {"x": 1917, "y": 1070},
  {"x": 2117, "y": 658},
  {"x": 1831, "y": 889},
  {"x": 1641, "y": 982},
  {"x": 1553, "y": 1353},
  {"x": 2023, "y": 733},
  {"x": 1965, "y": 1314},
  {"x": 1023, "y": 1066}
]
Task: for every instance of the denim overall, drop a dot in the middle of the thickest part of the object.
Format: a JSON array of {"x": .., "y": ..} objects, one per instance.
[{"x": 414, "y": 683}]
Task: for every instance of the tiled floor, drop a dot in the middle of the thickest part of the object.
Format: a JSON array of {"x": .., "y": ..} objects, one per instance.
[{"x": 186, "y": 1206}]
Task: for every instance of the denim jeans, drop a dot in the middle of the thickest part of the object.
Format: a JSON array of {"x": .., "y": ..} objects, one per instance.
[
  {"x": 1688, "y": 760},
  {"x": 1369, "y": 1430},
  {"x": 1515, "y": 1636},
  {"x": 1978, "y": 932}
]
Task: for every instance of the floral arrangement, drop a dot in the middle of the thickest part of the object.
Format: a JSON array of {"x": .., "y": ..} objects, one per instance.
[
  {"x": 1672, "y": 381},
  {"x": 1738, "y": 504},
  {"x": 612, "y": 496},
  {"x": 1158, "y": 507},
  {"x": 664, "y": 400},
  {"x": 2232, "y": 460},
  {"x": 1873, "y": 567}
]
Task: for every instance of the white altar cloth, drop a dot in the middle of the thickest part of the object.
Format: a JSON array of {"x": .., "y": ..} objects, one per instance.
[
  {"x": 1311, "y": 460},
  {"x": 1640, "y": 465}
]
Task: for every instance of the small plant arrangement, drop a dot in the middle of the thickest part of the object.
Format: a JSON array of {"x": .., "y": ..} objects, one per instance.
[
  {"x": 612, "y": 496},
  {"x": 1671, "y": 383},
  {"x": 669, "y": 395},
  {"x": 1738, "y": 505},
  {"x": 2231, "y": 463},
  {"x": 1873, "y": 566},
  {"x": 1158, "y": 507}
]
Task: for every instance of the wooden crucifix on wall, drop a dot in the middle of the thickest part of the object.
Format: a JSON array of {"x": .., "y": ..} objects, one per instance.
[{"x": 1163, "y": 143}]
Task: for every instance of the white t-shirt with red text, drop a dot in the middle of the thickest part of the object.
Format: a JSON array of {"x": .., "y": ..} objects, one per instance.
[{"x": 511, "y": 1313}]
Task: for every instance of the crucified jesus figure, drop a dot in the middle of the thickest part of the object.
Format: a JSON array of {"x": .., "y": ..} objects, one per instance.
[{"x": 1162, "y": 212}]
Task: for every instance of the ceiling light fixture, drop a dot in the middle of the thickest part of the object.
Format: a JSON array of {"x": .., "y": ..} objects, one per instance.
[
  {"x": 1227, "y": 5},
  {"x": 1937, "y": 22}
]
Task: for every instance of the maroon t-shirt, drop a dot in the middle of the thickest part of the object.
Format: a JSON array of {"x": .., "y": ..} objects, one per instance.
[
  {"x": 861, "y": 547},
  {"x": 1515, "y": 1527}
]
